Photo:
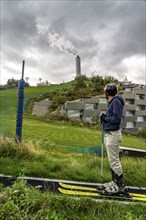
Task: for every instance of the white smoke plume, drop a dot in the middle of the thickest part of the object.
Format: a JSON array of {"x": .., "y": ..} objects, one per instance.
[{"x": 55, "y": 40}]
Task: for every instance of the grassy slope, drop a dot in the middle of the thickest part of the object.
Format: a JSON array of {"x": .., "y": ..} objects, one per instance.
[
  {"x": 49, "y": 157},
  {"x": 55, "y": 139},
  {"x": 54, "y": 132},
  {"x": 64, "y": 134},
  {"x": 52, "y": 161},
  {"x": 8, "y": 104}
]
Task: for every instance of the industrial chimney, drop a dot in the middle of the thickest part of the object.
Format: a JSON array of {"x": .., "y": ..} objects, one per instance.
[{"x": 78, "y": 66}]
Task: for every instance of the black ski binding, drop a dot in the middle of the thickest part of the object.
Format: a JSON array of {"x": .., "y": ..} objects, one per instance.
[{"x": 103, "y": 192}]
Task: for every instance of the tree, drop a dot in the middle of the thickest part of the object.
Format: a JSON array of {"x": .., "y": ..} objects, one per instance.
[
  {"x": 80, "y": 82},
  {"x": 97, "y": 84},
  {"x": 12, "y": 82},
  {"x": 110, "y": 79},
  {"x": 82, "y": 77}
]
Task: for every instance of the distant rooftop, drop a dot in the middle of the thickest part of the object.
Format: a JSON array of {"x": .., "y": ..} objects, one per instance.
[{"x": 128, "y": 84}]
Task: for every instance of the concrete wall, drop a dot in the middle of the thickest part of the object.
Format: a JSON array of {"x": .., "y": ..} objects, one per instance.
[{"x": 41, "y": 108}]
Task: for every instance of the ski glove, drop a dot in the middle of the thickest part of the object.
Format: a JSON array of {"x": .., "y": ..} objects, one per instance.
[{"x": 102, "y": 118}]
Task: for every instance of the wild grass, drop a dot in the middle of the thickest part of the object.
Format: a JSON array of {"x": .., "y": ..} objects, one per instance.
[
  {"x": 58, "y": 162},
  {"x": 22, "y": 202}
]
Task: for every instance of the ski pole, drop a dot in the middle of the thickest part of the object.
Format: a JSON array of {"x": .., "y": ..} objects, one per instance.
[{"x": 102, "y": 146}]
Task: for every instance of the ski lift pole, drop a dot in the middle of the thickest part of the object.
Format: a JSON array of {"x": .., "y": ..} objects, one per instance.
[
  {"x": 102, "y": 146},
  {"x": 19, "y": 118}
]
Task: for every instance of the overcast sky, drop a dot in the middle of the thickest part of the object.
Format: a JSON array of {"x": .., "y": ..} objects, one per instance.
[{"x": 109, "y": 36}]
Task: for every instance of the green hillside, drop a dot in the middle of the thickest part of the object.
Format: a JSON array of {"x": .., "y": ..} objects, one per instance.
[
  {"x": 49, "y": 147},
  {"x": 58, "y": 133},
  {"x": 8, "y": 104}
]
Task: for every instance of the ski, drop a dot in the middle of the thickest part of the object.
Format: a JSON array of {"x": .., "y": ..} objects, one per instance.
[
  {"x": 78, "y": 187},
  {"x": 94, "y": 191},
  {"x": 99, "y": 196}
]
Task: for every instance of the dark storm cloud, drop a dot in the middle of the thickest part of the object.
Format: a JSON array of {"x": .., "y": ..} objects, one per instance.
[
  {"x": 130, "y": 38},
  {"x": 104, "y": 32},
  {"x": 17, "y": 31}
]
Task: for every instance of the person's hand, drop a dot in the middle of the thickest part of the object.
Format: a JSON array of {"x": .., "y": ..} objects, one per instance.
[{"x": 102, "y": 117}]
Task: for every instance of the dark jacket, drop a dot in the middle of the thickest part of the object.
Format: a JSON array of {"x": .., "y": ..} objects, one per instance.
[{"x": 114, "y": 114}]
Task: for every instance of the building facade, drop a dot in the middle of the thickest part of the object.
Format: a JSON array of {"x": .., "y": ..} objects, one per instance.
[{"x": 134, "y": 114}]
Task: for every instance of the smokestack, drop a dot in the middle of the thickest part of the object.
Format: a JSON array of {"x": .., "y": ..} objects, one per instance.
[{"x": 78, "y": 66}]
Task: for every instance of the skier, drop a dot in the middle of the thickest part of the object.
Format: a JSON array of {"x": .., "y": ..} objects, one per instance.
[{"x": 112, "y": 137}]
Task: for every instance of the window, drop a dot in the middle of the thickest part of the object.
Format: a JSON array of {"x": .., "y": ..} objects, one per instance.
[
  {"x": 129, "y": 113},
  {"x": 140, "y": 96},
  {"x": 103, "y": 100},
  {"x": 140, "y": 107},
  {"x": 129, "y": 101},
  {"x": 74, "y": 113},
  {"x": 96, "y": 106},
  {"x": 89, "y": 106},
  {"x": 130, "y": 125},
  {"x": 140, "y": 119}
]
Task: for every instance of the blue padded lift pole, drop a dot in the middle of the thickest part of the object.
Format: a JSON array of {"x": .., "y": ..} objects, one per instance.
[
  {"x": 102, "y": 146},
  {"x": 19, "y": 118}
]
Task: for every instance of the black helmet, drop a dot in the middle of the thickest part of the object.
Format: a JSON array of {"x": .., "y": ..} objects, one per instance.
[{"x": 111, "y": 89}]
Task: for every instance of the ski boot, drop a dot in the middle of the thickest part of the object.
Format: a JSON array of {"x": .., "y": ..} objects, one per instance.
[
  {"x": 102, "y": 187},
  {"x": 115, "y": 187}
]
